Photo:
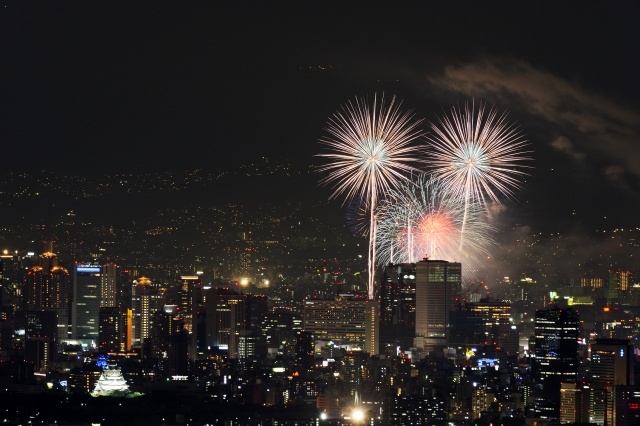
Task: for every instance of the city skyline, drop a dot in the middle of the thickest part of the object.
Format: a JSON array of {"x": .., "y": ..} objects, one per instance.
[{"x": 209, "y": 215}]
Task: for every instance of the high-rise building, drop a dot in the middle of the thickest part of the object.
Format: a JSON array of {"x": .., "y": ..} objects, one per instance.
[
  {"x": 169, "y": 341},
  {"x": 305, "y": 355},
  {"x": 47, "y": 287},
  {"x": 611, "y": 368},
  {"x": 108, "y": 285},
  {"x": 225, "y": 322},
  {"x": 145, "y": 300},
  {"x": 87, "y": 295},
  {"x": 398, "y": 307},
  {"x": 398, "y": 295},
  {"x": 164, "y": 323},
  {"x": 190, "y": 286},
  {"x": 353, "y": 322},
  {"x": 438, "y": 288},
  {"x": 575, "y": 403},
  {"x": 556, "y": 358},
  {"x": 12, "y": 280},
  {"x": 112, "y": 329},
  {"x": 257, "y": 309},
  {"x": 41, "y": 335}
]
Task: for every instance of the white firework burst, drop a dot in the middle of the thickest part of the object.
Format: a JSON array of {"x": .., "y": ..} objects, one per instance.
[
  {"x": 370, "y": 149},
  {"x": 477, "y": 155}
]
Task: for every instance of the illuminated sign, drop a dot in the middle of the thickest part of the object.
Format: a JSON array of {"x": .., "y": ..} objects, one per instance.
[
  {"x": 94, "y": 269},
  {"x": 621, "y": 353},
  {"x": 487, "y": 362},
  {"x": 179, "y": 377}
]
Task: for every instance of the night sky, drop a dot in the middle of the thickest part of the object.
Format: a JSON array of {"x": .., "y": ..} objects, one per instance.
[{"x": 108, "y": 87}]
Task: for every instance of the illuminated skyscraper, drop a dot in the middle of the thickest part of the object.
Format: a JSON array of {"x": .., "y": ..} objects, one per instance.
[
  {"x": 189, "y": 291},
  {"x": 108, "y": 285},
  {"x": 556, "y": 358},
  {"x": 86, "y": 302},
  {"x": 438, "y": 288},
  {"x": 398, "y": 295},
  {"x": 225, "y": 319},
  {"x": 93, "y": 287},
  {"x": 611, "y": 368},
  {"x": 112, "y": 329},
  {"x": 47, "y": 287},
  {"x": 145, "y": 300}
]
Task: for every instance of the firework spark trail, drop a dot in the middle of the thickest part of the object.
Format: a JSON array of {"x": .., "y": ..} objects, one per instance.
[
  {"x": 476, "y": 155},
  {"x": 424, "y": 218},
  {"x": 370, "y": 150}
]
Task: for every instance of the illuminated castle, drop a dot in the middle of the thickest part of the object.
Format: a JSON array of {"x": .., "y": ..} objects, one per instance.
[{"x": 110, "y": 381}]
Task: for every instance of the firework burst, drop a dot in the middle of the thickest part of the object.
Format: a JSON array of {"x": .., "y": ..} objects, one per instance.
[
  {"x": 424, "y": 219},
  {"x": 476, "y": 156},
  {"x": 370, "y": 150}
]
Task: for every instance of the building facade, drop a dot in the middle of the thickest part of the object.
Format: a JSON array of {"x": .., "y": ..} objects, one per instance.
[
  {"x": 555, "y": 360},
  {"x": 438, "y": 288}
]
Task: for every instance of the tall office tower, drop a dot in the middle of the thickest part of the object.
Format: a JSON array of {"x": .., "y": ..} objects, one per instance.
[
  {"x": 353, "y": 322},
  {"x": 87, "y": 295},
  {"x": 47, "y": 287},
  {"x": 438, "y": 288},
  {"x": 305, "y": 355},
  {"x": 253, "y": 341},
  {"x": 398, "y": 295},
  {"x": 354, "y": 370},
  {"x": 191, "y": 286},
  {"x": 12, "y": 280},
  {"x": 8, "y": 276},
  {"x": 169, "y": 341},
  {"x": 556, "y": 358},
  {"x": 257, "y": 309},
  {"x": 163, "y": 325},
  {"x": 611, "y": 369},
  {"x": 225, "y": 320},
  {"x": 112, "y": 329},
  {"x": 108, "y": 285},
  {"x": 93, "y": 286},
  {"x": 178, "y": 354},
  {"x": 41, "y": 335},
  {"x": 372, "y": 329},
  {"x": 145, "y": 300}
]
